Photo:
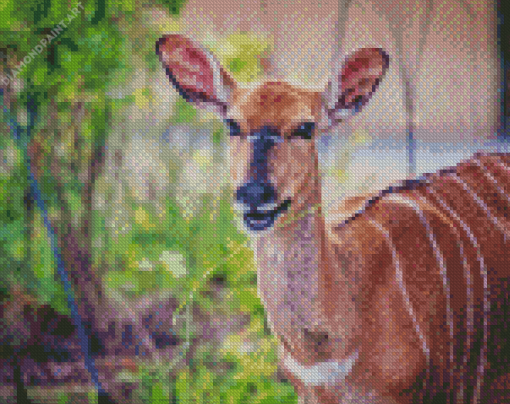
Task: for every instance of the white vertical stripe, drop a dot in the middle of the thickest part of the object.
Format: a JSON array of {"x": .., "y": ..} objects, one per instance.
[
  {"x": 486, "y": 303},
  {"x": 439, "y": 259},
  {"x": 400, "y": 280},
  {"x": 481, "y": 204},
  {"x": 492, "y": 179}
]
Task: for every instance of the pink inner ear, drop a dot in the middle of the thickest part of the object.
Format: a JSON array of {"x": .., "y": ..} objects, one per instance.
[
  {"x": 188, "y": 65},
  {"x": 355, "y": 68},
  {"x": 360, "y": 75},
  {"x": 365, "y": 63}
]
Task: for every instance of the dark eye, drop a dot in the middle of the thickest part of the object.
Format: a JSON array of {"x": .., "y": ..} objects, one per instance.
[
  {"x": 235, "y": 129},
  {"x": 304, "y": 130}
]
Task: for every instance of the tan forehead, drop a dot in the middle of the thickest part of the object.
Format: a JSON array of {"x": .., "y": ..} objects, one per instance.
[{"x": 275, "y": 104}]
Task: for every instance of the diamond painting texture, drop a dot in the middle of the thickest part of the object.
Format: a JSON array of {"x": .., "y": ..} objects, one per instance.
[{"x": 253, "y": 202}]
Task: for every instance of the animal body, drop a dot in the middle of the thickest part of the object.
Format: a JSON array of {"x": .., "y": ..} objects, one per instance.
[{"x": 406, "y": 301}]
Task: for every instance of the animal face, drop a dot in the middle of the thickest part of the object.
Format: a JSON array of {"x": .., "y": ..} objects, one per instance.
[
  {"x": 273, "y": 125},
  {"x": 272, "y": 151}
]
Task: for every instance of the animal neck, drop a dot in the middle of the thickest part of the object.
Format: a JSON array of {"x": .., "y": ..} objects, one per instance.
[
  {"x": 296, "y": 240},
  {"x": 287, "y": 278},
  {"x": 294, "y": 270},
  {"x": 288, "y": 259}
]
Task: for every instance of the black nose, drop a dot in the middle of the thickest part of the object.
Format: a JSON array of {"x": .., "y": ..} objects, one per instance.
[{"x": 256, "y": 194}]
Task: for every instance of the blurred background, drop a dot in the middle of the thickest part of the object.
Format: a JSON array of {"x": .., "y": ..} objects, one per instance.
[{"x": 135, "y": 183}]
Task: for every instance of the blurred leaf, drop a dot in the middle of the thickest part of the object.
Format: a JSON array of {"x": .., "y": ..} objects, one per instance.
[
  {"x": 74, "y": 199},
  {"x": 124, "y": 281},
  {"x": 158, "y": 395},
  {"x": 59, "y": 299},
  {"x": 183, "y": 387},
  {"x": 218, "y": 135},
  {"x": 42, "y": 259},
  {"x": 63, "y": 398},
  {"x": 248, "y": 299},
  {"x": 236, "y": 65},
  {"x": 174, "y": 263},
  {"x": 143, "y": 97},
  {"x": 142, "y": 218},
  {"x": 40, "y": 75},
  {"x": 184, "y": 112},
  {"x": 242, "y": 53},
  {"x": 174, "y": 6},
  {"x": 12, "y": 231},
  {"x": 93, "y": 397},
  {"x": 6, "y": 8}
]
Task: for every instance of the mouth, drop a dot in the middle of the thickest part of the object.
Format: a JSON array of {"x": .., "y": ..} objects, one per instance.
[{"x": 257, "y": 220}]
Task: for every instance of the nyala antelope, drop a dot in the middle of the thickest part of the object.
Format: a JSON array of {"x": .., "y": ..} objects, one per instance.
[{"x": 404, "y": 302}]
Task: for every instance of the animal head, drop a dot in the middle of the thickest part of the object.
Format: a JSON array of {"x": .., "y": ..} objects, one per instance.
[{"x": 273, "y": 124}]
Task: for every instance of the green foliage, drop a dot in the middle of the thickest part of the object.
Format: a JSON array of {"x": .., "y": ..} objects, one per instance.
[
  {"x": 204, "y": 386},
  {"x": 13, "y": 234},
  {"x": 158, "y": 395},
  {"x": 184, "y": 112},
  {"x": 242, "y": 54},
  {"x": 42, "y": 260},
  {"x": 63, "y": 398},
  {"x": 173, "y": 5},
  {"x": 151, "y": 249}
]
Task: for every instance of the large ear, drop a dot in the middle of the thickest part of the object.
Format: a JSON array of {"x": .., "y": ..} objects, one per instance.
[
  {"x": 195, "y": 73},
  {"x": 356, "y": 82}
]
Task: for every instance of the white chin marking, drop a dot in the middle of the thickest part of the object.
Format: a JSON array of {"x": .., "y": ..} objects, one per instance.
[{"x": 324, "y": 373}]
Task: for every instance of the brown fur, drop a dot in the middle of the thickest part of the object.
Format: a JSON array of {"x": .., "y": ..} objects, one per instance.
[
  {"x": 401, "y": 283},
  {"x": 272, "y": 104}
]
